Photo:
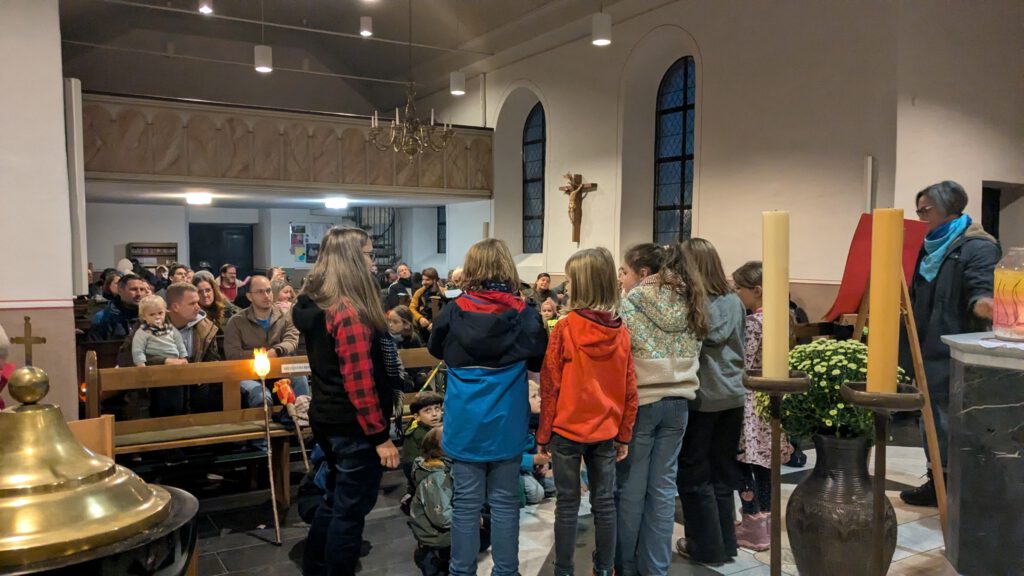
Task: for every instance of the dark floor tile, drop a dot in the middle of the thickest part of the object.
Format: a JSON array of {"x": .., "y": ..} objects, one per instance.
[
  {"x": 271, "y": 570},
  {"x": 206, "y": 527},
  {"x": 210, "y": 565},
  {"x": 257, "y": 556}
]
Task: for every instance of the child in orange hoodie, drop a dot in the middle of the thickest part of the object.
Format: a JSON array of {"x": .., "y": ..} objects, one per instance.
[{"x": 588, "y": 404}]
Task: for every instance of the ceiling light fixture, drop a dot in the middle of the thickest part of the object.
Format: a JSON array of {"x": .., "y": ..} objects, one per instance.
[
  {"x": 601, "y": 29},
  {"x": 206, "y": 7},
  {"x": 336, "y": 203},
  {"x": 198, "y": 198},
  {"x": 411, "y": 135},
  {"x": 365, "y": 26},
  {"x": 263, "y": 55},
  {"x": 457, "y": 83}
]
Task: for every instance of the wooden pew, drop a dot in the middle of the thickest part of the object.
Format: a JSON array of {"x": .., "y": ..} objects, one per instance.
[{"x": 231, "y": 424}]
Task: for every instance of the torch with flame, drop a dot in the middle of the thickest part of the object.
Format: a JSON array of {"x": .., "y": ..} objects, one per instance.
[{"x": 261, "y": 366}]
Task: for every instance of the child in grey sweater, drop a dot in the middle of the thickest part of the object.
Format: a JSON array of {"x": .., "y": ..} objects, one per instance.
[{"x": 155, "y": 337}]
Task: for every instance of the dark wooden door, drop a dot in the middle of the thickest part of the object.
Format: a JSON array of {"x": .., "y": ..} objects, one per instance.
[{"x": 217, "y": 244}]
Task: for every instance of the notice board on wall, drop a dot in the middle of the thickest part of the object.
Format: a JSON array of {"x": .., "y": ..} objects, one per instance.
[{"x": 305, "y": 237}]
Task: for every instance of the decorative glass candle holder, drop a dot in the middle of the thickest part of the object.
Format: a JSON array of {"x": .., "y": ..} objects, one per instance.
[{"x": 1008, "y": 316}]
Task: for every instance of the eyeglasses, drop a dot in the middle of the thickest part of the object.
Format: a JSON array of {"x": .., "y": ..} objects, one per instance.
[
  {"x": 371, "y": 254},
  {"x": 924, "y": 210}
]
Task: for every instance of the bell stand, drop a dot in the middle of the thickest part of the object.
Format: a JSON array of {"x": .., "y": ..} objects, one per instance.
[
  {"x": 921, "y": 380},
  {"x": 776, "y": 388}
]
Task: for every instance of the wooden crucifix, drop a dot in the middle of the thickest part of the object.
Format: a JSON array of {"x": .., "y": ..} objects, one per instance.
[
  {"x": 28, "y": 340},
  {"x": 577, "y": 190}
]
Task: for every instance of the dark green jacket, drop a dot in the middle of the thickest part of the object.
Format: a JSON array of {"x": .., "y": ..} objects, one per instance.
[
  {"x": 413, "y": 440},
  {"x": 430, "y": 516}
]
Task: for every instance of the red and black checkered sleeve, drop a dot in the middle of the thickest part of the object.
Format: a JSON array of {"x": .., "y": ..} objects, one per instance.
[{"x": 352, "y": 342}]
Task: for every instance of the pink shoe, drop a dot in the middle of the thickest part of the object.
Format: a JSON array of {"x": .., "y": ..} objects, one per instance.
[{"x": 753, "y": 532}]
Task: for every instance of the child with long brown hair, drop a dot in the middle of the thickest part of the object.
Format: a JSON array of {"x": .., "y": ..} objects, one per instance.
[
  {"x": 353, "y": 363},
  {"x": 664, "y": 310},
  {"x": 488, "y": 338},
  {"x": 708, "y": 470},
  {"x": 588, "y": 405}
]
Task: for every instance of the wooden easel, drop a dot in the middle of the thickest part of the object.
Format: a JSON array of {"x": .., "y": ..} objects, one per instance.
[{"x": 931, "y": 435}]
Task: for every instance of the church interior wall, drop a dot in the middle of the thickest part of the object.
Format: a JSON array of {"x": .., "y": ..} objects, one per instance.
[
  {"x": 961, "y": 89},
  {"x": 792, "y": 97},
  {"x": 36, "y": 217},
  {"x": 1011, "y": 217},
  {"x": 418, "y": 232}
]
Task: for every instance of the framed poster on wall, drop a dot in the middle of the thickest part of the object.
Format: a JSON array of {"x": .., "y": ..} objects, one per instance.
[{"x": 304, "y": 240}]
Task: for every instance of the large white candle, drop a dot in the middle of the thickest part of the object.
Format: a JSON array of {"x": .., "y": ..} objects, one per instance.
[{"x": 775, "y": 294}]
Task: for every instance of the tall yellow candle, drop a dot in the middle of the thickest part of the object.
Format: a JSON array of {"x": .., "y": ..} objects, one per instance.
[
  {"x": 884, "y": 299},
  {"x": 775, "y": 294}
]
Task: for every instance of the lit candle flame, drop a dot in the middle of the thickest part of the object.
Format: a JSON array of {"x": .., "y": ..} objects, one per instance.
[{"x": 260, "y": 363}]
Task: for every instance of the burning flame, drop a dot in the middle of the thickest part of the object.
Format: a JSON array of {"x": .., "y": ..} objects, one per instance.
[{"x": 260, "y": 363}]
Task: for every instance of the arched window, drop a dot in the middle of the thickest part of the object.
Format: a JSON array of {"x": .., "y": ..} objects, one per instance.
[
  {"x": 534, "y": 143},
  {"x": 673, "y": 153}
]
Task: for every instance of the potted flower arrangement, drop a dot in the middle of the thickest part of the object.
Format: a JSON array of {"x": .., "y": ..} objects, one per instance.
[{"x": 829, "y": 515}]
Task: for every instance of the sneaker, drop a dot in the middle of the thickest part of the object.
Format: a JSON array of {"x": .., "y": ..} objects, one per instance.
[
  {"x": 923, "y": 495},
  {"x": 753, "y": 532}
]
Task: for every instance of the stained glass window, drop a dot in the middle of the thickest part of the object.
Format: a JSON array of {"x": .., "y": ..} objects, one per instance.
[
  {"x": 674, "y": 153},
  {"x": 534, "y": 144}
]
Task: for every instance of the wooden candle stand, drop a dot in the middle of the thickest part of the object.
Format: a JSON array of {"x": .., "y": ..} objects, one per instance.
[
  {"x": 882, "y": 405},
  {"x": 776, "y": 388}
]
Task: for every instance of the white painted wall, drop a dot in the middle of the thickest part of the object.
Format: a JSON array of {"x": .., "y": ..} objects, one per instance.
[
  {"x": 35, "y": 218},
  {"x": 791, "y": 97},
  {"x": 468, "y": 223},
  {"x": 961, "y": 97},
  {"x": 111, "y": 226},
  {"x": 417, "y": 228}
]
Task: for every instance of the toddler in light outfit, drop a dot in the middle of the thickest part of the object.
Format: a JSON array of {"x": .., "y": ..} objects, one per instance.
[{"x": 155, "y": 337}]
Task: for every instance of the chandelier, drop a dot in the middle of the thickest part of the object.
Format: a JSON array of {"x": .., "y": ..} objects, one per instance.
[{"x": 411, "y": 135}]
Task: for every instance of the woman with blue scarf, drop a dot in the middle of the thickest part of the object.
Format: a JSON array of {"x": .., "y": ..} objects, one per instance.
[{"x": 951, "y": 293}]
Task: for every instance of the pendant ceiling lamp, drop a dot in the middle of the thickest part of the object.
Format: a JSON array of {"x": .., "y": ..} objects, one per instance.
[
  {"x": 601, "y": 29},
  {"x": 457, "y": 83},
  {"x": 262, "y": 54},
  {"x": 206, "y": 7},
  {"x": 365, "y": 26}
]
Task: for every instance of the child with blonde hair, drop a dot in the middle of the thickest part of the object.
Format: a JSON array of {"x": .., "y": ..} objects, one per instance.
[
  {"x": 488, "y": 337},
  {"x": 588, "y": 405},
  {"x": 155, "y": 336}
]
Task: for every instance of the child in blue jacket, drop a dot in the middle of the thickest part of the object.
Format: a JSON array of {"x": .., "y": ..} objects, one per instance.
[{"x": 488, "y": 338}]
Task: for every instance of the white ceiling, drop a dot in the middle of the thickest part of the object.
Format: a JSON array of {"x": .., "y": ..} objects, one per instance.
[
  {"x": 226, "y": 196},
  {"x": 447, "y": 35}
]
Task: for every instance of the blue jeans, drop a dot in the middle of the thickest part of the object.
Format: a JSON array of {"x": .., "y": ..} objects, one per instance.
[
  {"x": 646, "y": 492},
  {"x": 251, "y": 391},
  {"x": 497, "y": 483},
  {"x": 353, "y": 479}
]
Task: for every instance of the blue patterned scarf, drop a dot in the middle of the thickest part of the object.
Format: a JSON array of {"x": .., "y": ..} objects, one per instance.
[{"x": 937, "y": 242}]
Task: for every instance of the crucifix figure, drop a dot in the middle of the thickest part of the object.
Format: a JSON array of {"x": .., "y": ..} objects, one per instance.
[
  {"x": 28, "y": 340},
  {"x": 577, "y": 190}
]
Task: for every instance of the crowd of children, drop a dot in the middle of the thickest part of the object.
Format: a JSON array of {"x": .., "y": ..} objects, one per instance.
[{"x": 625, "y": 382}]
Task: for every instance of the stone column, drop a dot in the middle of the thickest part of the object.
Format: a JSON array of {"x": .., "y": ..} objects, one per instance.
[
  {"x": 35, "y": 221},
  {"x": 986, "y": 456}
]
